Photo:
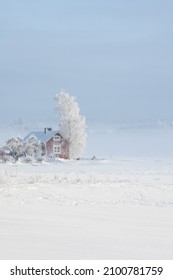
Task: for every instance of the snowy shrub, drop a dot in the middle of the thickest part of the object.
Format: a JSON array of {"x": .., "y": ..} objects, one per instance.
[
  {"x": 18, "y": 148},
  {"x": 32, "y": 147},
  {"x": 15, "y": 147},
  {"x": 27, "y": 159},
  {"x": 3, "y": 157},
  {"x": 40, "y": 158}
]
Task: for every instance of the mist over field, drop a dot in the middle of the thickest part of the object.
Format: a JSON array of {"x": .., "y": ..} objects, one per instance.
[{"x": 108, "y": 139}]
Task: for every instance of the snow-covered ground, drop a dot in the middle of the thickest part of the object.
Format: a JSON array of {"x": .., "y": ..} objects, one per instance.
[{"x": 119, "y": 206}]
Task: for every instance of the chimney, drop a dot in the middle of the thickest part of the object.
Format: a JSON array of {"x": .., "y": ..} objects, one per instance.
[{"x": 47, "y": 129}]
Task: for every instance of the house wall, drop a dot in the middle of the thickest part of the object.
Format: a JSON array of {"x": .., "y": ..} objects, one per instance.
[
  {"x": 63, "y": 144},
  {"x": 49, "y": 147},
  {"x": 64, "y": 149}
]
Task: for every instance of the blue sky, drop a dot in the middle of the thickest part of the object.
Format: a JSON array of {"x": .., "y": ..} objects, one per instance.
[{"x": 114, "y": 56}]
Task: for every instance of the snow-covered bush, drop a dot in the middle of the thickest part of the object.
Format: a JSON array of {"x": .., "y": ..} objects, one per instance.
[
  {"x": 71, "y": 124},
  {"x": 3, "y": 156},
  {"x": 27, "y": 159},
  {"x": 18, "y": 148},
  {"x": 15, "y": 147},
  {"x": 32, "y": 147}
]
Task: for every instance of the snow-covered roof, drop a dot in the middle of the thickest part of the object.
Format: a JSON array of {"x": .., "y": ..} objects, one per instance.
[{"x": 41, "y": 136}]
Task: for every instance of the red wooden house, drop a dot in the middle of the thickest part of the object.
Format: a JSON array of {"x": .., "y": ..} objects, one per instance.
[{"x": 52, "y": 143}]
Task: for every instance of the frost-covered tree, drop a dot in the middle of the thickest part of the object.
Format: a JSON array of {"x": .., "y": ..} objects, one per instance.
[
  {"x": 17, "y": 147},
  {"x": 32, "y": 146},
  {"x": 71, "y": 124}
]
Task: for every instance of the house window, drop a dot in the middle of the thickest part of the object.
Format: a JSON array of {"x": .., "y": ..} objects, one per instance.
[
  {"x": 56, "y": 149},
  {"x": 57, "y": 138}
]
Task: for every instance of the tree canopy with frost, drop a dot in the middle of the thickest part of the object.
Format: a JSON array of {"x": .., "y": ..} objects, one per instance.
[
  {"x": 71, "y": 124},
  {"x": 17, "y": 147}
]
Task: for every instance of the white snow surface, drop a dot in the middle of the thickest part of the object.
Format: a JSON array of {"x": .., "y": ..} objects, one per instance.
[
  {"x": 102, "y": 209},
  {"x": 119, "y": 206}
]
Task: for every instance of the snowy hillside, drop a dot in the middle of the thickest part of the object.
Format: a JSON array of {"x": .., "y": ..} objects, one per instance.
[{"x": 118, "y": 206}]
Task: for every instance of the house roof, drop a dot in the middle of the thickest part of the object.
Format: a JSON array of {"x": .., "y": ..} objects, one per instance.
[{"x": 41, "y": 136}]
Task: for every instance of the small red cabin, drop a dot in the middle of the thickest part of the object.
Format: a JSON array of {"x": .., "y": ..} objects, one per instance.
[{"x": 52, "y": 143}]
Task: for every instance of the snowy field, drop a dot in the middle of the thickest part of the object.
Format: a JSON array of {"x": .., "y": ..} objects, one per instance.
[{"x": 119, "y": 206}]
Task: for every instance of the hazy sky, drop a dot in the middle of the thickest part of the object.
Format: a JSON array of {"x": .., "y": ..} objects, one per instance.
[{"x": 115, "y": 56}]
